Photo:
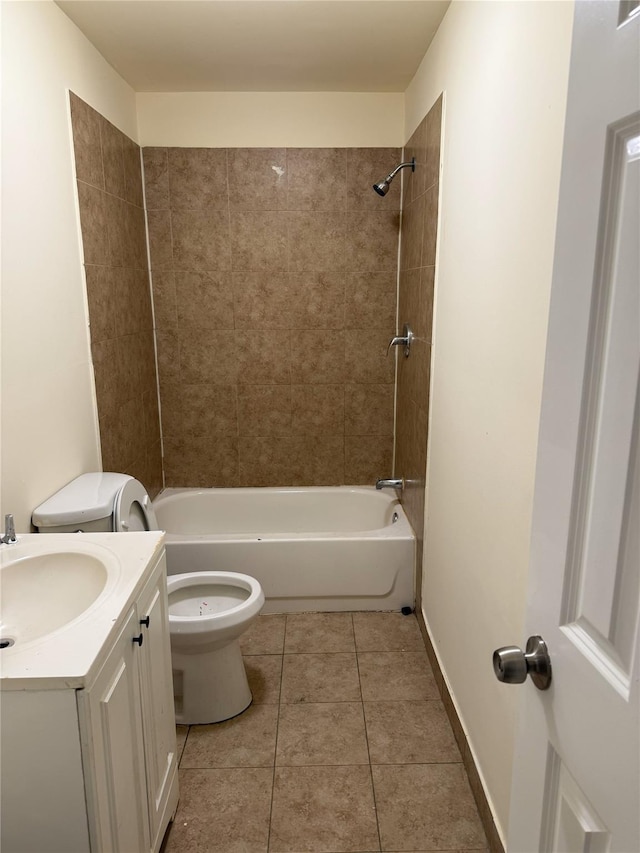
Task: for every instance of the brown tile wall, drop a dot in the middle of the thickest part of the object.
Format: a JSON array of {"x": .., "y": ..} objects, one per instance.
[
  {"x": 109, "y": 179},
  {"x": 415, "y": 307},
  {"x": 274, "y": 280}
]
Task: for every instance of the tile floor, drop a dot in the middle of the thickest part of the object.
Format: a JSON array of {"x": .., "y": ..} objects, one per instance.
[{"x": 346, "y": 748}]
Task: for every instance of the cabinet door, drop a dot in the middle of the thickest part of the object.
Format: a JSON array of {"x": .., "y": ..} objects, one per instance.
[
  {"x": 158, "y": 716},
  {"x": 114, "y": 758}
]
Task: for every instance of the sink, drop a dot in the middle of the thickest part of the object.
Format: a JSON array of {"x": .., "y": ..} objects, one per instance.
[
  {"x": 43, "y": 592},
  {"x": 63, "y": 598}
]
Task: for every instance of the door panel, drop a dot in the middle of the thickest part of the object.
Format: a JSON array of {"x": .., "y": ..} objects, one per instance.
[
  {"x": 157, "y": 702},
  {"x": 569, "y": 821},
  {"x": 598, "y": 605},
  {"x": 576, "y": 773},
  {"x": 115, "y": 764}
]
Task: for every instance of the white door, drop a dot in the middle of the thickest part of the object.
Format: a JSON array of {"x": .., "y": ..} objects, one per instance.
[{"x": 577, "y": 766}]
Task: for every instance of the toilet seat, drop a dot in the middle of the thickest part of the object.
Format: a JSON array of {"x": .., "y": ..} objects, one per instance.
[
  {"x": 214, "y": 619},
  {"x": 133, "y": 510}
]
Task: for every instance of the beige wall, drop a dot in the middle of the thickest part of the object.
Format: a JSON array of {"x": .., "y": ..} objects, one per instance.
[
  {"x": 49, "y": 427},
  {"x": 503, "y": 68},
  {"x": 271, "y": 119}
]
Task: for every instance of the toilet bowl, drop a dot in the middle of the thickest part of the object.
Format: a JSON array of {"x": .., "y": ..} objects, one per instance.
[{"x": 208, "y": 611}]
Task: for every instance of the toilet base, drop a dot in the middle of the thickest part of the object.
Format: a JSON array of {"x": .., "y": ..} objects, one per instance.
[{"x": 211, "y": 686}]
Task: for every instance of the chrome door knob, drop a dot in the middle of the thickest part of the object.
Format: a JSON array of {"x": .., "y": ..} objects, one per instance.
[{"x": 511, "y": 665}]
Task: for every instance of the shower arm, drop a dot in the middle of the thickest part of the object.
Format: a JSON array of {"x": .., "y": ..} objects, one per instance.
[{"x": 411, "y": 163}]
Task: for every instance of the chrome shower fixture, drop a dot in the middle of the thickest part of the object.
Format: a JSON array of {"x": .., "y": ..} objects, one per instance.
[{"x": 382, "y": 188}]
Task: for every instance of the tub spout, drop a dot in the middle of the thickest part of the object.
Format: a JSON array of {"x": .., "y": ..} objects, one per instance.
[{"x": 390, "y": 484}]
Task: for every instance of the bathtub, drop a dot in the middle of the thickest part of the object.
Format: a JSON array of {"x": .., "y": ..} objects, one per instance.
[{"x": 324, "y": 548}]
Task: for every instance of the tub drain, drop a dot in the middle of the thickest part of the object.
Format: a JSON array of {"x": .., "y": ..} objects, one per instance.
[{"x": 5, "y": 642}]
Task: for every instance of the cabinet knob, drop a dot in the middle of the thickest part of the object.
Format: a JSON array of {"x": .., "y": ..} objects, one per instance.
[
  {"x": 138, "y": 640},
  {"x": 145, "y": 621}
]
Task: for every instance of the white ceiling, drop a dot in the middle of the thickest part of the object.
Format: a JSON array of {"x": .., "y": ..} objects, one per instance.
[{"x": 261, "y": 45}]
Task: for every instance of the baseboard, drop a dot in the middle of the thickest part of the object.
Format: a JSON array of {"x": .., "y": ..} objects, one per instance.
[{"x": 488, "y": 823}]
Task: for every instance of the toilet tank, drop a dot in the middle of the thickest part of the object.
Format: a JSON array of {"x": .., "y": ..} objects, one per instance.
[{"x": 85, "y": 504}]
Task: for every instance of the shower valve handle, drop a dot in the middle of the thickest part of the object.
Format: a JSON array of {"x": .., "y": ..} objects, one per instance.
[{"x": 404, "y": 340}]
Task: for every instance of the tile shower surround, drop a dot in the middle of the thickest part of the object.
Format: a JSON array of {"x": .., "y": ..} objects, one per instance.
[
  {"x": 415, "y": 306},
  {"x": 109, "y": 182},
  {"x": 274, "y": 281}
]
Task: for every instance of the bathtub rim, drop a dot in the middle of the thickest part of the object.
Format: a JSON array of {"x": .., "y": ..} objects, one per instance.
[{"x": 400, "y": 529}]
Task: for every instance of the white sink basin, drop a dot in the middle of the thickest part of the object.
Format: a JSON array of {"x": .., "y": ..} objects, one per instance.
[
  {"x": 42, "y": 593},
  {"x": 43, "y": 589},
  {"x": 63, "y": 596}
]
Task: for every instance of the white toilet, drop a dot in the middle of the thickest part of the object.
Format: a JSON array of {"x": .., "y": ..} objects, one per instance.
[{"x": 208, "y": 611}]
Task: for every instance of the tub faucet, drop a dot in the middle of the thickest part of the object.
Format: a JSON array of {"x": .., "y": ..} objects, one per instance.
[
  {"x": 390, "y": 484},
  {"x": 9, "y": 531},
  {"x": 404, "y": 340}
]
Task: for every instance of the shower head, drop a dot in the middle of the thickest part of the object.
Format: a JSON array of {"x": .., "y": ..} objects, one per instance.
[{"x": 382, "y": 187}]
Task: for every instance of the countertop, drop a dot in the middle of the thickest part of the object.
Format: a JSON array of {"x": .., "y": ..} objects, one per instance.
[{"x": 70, "y": 656}]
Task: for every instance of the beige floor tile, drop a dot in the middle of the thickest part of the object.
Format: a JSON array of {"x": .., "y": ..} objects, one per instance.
[
  {"x": 264, "y": 673},
  {"x": 323, "y": 810},
  {"x": 395, "y": 676},
  {"x": 323, "y": 798},
  {"x": 264, "y": 637},
  {"x": 320, "y": 678},
  {"x": 248, "y": 740},
  {"x": 387, "y": 632},
  {"x": 181, "y": 739},
  {"x": 325, "y": 733},
  {"x": 409, "y": 732},
  {"x": 222, "y": 811},
  {"x": 319, "y": 632},
  {"x": 426, "y": 806}
]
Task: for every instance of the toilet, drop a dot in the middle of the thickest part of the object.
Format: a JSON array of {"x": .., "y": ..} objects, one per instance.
[{"x": 208, "y": 611}]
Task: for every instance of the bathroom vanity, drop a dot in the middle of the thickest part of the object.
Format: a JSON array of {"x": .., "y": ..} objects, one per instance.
[{"x": 87, "y": 720}]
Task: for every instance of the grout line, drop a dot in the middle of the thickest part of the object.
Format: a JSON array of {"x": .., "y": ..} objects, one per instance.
[
  {"x": 184, "y": 746},
  {"x": 275, "y": 748},
  {"x": 366, "y": 735},
  {"x": 301, "y": 766},
  {"x": 351, "y": 652},
  {"x": 156, "y": 355}
]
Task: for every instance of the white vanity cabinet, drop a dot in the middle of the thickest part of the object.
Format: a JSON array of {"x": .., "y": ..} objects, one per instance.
[
  {"x": 113, "y": 749},
  {"x": 128, "y": 729},
  {"x": 158, "y": 715},
  {"x": 94, "y": 769}
]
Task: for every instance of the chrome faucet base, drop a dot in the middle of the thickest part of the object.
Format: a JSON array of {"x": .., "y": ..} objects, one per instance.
[
  {"x": 9, "y": 531},
  {"x": 404, "y": 340},
  {"x": 390, "y": 484}
]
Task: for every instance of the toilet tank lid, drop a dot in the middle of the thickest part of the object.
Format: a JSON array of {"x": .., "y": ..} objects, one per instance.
[{"x": 87, "y": 498}]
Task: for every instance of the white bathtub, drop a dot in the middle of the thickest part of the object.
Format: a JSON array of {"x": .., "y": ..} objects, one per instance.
[{"x": 324, "y": 548}]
